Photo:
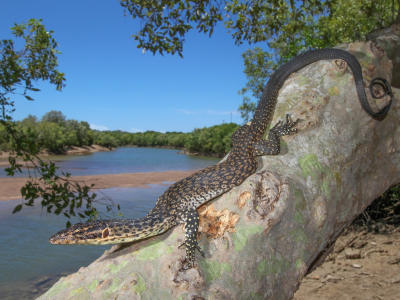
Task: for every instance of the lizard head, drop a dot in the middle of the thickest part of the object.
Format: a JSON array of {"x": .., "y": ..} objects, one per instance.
[
  {"x": 102, "y": 232},
  {"x": 95, "y": 232}
]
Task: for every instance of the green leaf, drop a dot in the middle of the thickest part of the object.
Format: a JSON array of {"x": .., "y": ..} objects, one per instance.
[
  {"x": 29, "y": 98},
  {"x": 17, "y": 208}
]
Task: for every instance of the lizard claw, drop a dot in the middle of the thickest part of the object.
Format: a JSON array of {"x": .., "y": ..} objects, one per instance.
[{"x": 282, "y": 129}]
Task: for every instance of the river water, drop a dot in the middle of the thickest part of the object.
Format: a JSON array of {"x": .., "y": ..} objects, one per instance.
[
  {"x": 125, "y": 160},
  {"x": 30, "y": 265}
]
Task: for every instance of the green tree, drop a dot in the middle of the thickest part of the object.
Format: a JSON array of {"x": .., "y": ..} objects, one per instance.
[
  {"x": 166, "y": 22},
  {"x": 29, "y": 121},
  {"x": 81, "y": 134},
  {"x": 19, "y": 69},
  {"x": 51, "y": 136},
  {"x": 55, "y": 117},
  {"x": 342, "y": 21}
]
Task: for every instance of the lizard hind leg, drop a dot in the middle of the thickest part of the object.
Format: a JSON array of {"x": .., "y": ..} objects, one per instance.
[{"x": 190, "y": 217}]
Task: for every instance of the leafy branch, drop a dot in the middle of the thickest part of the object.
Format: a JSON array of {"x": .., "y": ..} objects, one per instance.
[{"x": 20, "y": 69}]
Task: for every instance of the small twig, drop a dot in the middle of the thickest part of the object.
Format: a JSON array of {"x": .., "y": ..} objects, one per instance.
[
  {"x": 351, "y": 240},
  {"x": 373, "y": 250},
  {"x": 395, "y": 230},
  {"x": 317, "y": 288},
  {"x": 379, "y": 283},
  {"x": 393, "y": 281},
  {"x": 394, "y": 261}
]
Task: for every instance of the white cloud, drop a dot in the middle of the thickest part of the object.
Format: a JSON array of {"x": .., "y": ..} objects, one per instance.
[
  {"x": 136, "y": 130},
  {"x": 98, "y": 127}
]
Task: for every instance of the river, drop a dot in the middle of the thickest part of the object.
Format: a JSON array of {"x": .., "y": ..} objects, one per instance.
[{"x": 30, "y": 265}]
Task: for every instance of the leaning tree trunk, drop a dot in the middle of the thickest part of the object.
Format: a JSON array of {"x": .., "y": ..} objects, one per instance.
[{"x": 262, "y": 237}]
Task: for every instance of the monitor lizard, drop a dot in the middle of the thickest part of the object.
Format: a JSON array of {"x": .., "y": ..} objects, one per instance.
[{"x": 179, "y": 202}]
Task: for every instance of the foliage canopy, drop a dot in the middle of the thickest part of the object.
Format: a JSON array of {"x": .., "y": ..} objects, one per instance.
[{"x": 288, "y": 27}]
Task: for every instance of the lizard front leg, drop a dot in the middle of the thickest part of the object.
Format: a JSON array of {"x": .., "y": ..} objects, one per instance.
[
  {"x": 190, "y": 217},
  {"x": 271, "y": 146}
]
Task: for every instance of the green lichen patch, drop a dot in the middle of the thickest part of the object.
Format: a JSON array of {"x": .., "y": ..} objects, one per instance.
[
  {"x": 78, "y": 291},
  {"x": 299, "y": 235},
  {"x": 298, "y": 217},
  {"x": 299, "y": 262},
  {"x": 153, "y": 250},
  {"x": 213, "y": 269},
  {"x": 338, "y": 180},
  {"x": 256, "y": 296},
  {"x": 300, "y": 200},
  {"x": 334, "y": 90},
  {"x": 173, "y": 236},
  {"x": 92, "y": 286},
  {"x": 311, "y": 166},
  {"x": 242, "y": 233},
  {"x": 114, "y": 286},
  {"x": 275, "y": 265},
  {"x": 57, "y": 288},
  {"x": 140, "y": 285},
  {"x": 115, "y": 269},
  {"x": 365, "y": 64},
  {"x": 303, "y": 80}
]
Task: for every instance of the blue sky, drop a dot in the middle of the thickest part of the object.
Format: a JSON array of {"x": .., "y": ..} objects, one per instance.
[{"x": 112, "y": 85}]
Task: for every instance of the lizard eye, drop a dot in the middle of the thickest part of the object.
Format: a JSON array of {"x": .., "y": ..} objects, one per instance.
[{"x": 78, "y": 232}]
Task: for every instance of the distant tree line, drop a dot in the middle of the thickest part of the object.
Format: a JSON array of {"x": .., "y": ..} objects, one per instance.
[{"x": 54, "y": 132}]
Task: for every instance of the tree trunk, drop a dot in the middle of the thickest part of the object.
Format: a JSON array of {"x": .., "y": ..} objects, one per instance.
[{"x": 262, "y": 237}]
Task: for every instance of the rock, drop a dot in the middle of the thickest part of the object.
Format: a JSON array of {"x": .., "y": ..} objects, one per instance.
[
  {"x": 352, "y": 253},
  {"x": 356, "y": 266}
]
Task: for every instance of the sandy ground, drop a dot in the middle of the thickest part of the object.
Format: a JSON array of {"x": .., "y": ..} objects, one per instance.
[
  {"x": 10, "y": 187},
  {"x": 363, "y": 265}
]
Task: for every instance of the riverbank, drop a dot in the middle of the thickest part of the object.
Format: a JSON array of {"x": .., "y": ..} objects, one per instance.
[
  {"x": 68, "y": 151},
  {"x": 10, "y": 187}
]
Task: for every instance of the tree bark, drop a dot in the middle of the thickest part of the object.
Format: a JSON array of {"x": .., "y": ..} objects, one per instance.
[{"x": 262, "y": 237}]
